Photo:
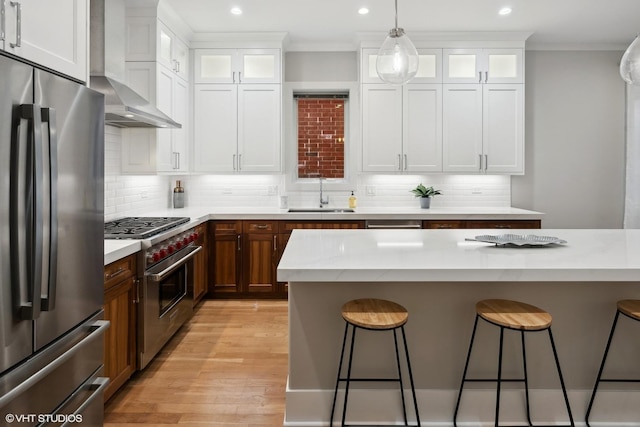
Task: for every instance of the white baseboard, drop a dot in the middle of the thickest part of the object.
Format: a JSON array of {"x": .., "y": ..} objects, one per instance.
[{"x": 312, "y": 408}]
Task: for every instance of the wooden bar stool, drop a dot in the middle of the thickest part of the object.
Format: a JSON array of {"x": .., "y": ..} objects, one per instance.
[
  {"x": 373, "y": 315},
  {"x": 631, "y": 309},
  {"x": 516, "y": 316}
]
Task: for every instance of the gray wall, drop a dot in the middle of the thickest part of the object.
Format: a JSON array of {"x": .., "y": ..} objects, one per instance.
[
  {"x": 575, "y": 139},
  {"x": 321, "y": 67}
]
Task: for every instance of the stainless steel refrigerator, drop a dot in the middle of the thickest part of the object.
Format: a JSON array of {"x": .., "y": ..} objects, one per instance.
[{"x": 51, "y": 249}]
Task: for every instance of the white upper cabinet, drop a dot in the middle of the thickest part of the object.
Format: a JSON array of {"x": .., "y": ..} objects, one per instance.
[
  {"x": 237, "y": 128},
  {"x": 50, "y": 33},
  {"x": 237, "y": 66},
  {"x": 483, "y": 66},
  {"x": 149, "y": 39},
  {"x": 483, "y": 128},
  {"x": 402, "y": 128},
  {"x": 158, "y": 150},
  {"x": 429, "y": 66}
]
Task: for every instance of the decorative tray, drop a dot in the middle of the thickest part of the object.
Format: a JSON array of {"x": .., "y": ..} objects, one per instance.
[{"x": 520, "y": 240}]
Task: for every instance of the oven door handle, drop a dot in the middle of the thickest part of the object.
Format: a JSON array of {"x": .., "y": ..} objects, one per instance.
[{"x": 156, "y": 277}]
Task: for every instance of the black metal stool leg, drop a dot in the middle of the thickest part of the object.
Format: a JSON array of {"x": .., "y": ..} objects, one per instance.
[
  {"x": 464, "y": 373},
  {"x": 499, "y": 382},
  {"x": 404, "y": 407},
  {"x": 526, "y": 378},
  {"x": 564, "y": 390},
  {"x": 348, "y": 380},
  {"x": 413, "y": 388},
  {"x": 335, "y": 393},
  {"x": 604, "y": 359}
]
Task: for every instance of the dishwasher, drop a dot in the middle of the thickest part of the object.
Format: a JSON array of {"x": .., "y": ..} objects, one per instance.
[{"x": 393, "y": 223}]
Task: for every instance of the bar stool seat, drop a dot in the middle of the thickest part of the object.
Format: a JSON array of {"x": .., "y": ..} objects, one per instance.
[
  {"x": 631, "y": 309},
  {"x": 373, "y": 315},
  {"x": 516, "y": 316},
  {"x": 513, "y": 314}
]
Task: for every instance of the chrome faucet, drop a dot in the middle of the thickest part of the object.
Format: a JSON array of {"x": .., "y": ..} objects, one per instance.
[{"x": 323, "y": 200}]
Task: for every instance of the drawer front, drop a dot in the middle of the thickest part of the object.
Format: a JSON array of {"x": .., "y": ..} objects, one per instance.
[
  {"x": 443, "y": 224},
  {"x": 505, "y": 224},
  {"x": 260, "y": 226},
  {"x": 227, "y": 227},
  {"x": 287, "y": 226},
  {"x": 119, "y": 270}
]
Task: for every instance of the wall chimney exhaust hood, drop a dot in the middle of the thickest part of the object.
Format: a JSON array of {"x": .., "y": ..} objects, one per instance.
[{"x": 123, "y": 106}]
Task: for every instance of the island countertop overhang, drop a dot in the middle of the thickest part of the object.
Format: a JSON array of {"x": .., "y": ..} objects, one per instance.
[{"x": 445, "y": 256}]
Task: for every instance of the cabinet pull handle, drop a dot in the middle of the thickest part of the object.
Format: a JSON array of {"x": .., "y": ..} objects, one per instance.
[
  {"x": 239, "y": 76},
  {"x": 234, "y": 162},
  {"x": 275, "y": 243},
  {"x": 3, "y": 22},
  {"x": 503, "y": 226},
  {"x": 486, "y": 161},
  {"x": 479, "y": 76},
  {"x": 118, "y": 272},
  {"x": 405, "y": 162},
  {"x": 177, "y": 66},
  {"x": 262, "y": 226},
  {"x": 18, "y": 7},
  {"x": 239, "y": 162},
  {"x": 178, "y": 154},
  {"x": 233, "y": 76},
  {"x": 443, "y": 226},
  {"x": 480, "y": 159},
  {"x": 399, "y": 162},
  {"x": 486, "y": 76},
  {"x": 239, "y": 247}
]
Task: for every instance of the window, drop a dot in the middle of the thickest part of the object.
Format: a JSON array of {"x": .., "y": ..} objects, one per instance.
[{"x": 320, "y": 135}]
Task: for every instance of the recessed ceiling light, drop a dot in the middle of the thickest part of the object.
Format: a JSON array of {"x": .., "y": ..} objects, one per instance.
[
  {"x": 236, "y": 11},
  {"x": 504, "y": 11},
  {"x": 363, "y": 11}
]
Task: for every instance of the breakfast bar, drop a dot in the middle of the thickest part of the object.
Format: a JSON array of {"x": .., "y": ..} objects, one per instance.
[{"x": 438, "y": 276}]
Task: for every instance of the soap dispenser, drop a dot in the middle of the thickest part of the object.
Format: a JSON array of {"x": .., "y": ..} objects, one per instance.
[
  {"x": 352, "y": 201},
  {"x": 178, "y": 195}
]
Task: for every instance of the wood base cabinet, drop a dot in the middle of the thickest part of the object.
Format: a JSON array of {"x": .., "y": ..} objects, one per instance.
[
  {"x": 483, "y": 223},
  {"x": 120, "y": 300},
  {"x": 200, "y": 284}
]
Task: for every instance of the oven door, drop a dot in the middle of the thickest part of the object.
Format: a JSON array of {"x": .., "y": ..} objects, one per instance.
[{"x": 164, "y": 302}]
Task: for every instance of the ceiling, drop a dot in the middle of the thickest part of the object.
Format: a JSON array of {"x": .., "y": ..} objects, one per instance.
[{"x": 589, "y": 24}]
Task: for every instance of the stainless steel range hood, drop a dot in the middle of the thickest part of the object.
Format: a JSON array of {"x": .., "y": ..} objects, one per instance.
[{"x": 123, "y": 106}]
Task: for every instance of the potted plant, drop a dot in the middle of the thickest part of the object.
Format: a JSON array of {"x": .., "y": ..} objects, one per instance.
[{"x": 425, "y": 194}]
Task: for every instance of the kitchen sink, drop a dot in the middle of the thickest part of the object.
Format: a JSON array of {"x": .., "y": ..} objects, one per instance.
[{"x": 319, "y": 210}]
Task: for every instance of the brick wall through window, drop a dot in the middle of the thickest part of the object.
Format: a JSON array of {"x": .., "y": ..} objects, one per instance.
[{"x": 320, "y": 137}]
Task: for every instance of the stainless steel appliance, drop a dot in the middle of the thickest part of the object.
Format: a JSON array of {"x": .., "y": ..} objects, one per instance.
[
  {"x": 51, "y": 252},
  {"x": 393, "y": 223},
  {"x": 166, "y": 301}
]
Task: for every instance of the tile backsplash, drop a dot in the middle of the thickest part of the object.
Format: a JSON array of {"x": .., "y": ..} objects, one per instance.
[{"x": 130, "y": 195}]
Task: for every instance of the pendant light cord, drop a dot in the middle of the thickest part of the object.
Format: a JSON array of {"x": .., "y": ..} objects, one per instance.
[{"x": 396, "y": 14}]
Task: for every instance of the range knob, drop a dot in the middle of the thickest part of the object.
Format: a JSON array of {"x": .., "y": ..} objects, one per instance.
[
  {"x": 179, "y": 244},
  {"x": 195, "y": 236},
  {"x": 171, "y": 248},
  {"x": 185, "y": 240},
  {"x": 163, "y": 252},
  {"x": 155, "y": 256}
]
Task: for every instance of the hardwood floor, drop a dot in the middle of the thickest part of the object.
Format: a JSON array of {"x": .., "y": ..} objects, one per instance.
[{"x": 226, "y": 367}]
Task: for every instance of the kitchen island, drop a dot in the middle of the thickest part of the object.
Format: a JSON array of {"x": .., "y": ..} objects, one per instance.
[{"x": 439, "y": 276}]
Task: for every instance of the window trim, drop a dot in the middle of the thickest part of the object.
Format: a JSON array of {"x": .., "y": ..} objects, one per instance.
[{"x": 352, "y": 135}]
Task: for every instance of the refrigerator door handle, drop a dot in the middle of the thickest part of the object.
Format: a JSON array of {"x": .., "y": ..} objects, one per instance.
[
  {"x": 3, "y": 20},
  {"x": 97, "y": 387},
  {"x": 26, "y": 215},
  {"x": 100, "y": 327},
  {"x": 48, "y": 301}
]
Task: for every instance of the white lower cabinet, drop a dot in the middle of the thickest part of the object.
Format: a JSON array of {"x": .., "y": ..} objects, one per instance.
[
  {"x": 237, "y": 128},
  {"x": 402, "y": 128},
  {"x": 157, "y": 150},
  {"x": 483, "y": 128}
]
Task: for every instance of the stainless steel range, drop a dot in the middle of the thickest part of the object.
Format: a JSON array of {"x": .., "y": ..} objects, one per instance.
[{"x": 166, "y": 265}]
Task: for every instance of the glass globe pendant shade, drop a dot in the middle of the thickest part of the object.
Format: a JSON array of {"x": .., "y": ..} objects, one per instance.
[
  {"x": 397, "y": 61},
  {"x": 630, "y": 64}
]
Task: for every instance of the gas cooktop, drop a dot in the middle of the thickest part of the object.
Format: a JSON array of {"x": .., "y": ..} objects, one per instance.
[{"x": 140, "y": 227}]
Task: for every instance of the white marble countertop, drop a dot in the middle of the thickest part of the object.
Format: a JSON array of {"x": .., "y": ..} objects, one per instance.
[
  {"x": 445, "y": 256},
  {"x": 116, "y": 249}
]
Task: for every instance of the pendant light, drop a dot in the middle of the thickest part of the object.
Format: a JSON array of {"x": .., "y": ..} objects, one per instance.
[
  {"x": 630, "y": 64},
  {"x": 397, "y": 61}
]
